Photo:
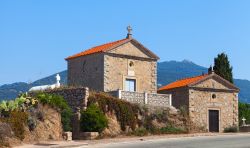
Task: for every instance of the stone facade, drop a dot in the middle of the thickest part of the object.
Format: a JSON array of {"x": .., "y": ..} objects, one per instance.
[
  {"x": 143, "y": 71},
  {"x": 87, "y": 71},
  {"x": 108, "y": 70},
  {"x": 200, "y": 102},
  {"x": 212, "y": 93}
]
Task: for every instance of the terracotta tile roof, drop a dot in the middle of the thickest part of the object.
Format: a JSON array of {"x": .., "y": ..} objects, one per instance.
[
  {"x": 182, "y": 82},
  {"x": 96, "y": 49}
]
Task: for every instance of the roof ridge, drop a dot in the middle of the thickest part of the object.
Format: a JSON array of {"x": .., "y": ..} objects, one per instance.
[
  {"x": 191, "y": 77},
  {"x": 107, "y": 43}
]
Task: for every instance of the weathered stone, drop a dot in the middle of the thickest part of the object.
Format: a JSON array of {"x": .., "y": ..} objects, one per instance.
[
  {"x": 76, "y": 97},
  {"x": 67, "y": 136},
  {"x": 88, "y": 135}
]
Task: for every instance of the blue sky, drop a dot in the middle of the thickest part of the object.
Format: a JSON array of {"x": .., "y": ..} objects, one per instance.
[{"x": 36, "y": 36}]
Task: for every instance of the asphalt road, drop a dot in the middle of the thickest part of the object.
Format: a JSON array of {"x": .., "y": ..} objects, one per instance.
[{"x": 222, "y": 141}]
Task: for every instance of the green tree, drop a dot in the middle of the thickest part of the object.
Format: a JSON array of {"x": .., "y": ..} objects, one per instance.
[
  {"x": 244, "y": 111},
  {"x": 222, "y": 67}
]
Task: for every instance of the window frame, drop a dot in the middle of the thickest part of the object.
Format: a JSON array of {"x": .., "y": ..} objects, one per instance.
[{"x": 130, "y": 80}]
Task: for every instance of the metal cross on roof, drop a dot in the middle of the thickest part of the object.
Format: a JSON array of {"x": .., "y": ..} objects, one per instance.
[
  {"x": 129, "y": 35},
  {"x": 129, "y": 28}
]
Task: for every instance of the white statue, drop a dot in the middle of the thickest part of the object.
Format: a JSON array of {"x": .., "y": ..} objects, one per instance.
[
  {"x": 44, "y": 87},
  {"x": 58, "y": 78}
]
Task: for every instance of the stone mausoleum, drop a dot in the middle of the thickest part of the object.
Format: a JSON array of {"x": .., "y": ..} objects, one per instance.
[
  {"x": 124, "y": 68},
  {"x": 211, "y": 101}
]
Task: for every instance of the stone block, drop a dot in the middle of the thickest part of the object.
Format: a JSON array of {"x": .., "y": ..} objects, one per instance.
[
  {"x": 67, "y": 136},
  {"x": 88, "y": 135}
]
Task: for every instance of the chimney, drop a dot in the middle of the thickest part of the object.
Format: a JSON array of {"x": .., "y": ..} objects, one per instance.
[{"x": 129, "y": 34}]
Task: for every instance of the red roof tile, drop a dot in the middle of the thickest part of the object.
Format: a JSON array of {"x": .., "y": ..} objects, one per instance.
[
  {"x": 96, "y": 49},
  {"x": 182, "y": 82}
]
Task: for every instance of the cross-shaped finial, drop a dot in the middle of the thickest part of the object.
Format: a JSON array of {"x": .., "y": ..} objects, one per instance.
[
  {"x": 212, "y": 67},
  {"x": 129, "y": 29}
]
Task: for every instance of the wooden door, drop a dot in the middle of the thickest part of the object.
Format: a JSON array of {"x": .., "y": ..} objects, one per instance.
[{"x": 213, "y": 121}]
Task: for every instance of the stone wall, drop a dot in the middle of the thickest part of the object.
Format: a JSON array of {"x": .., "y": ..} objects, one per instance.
[
  {"x": 159, "y": 99},
  {"x": 87, "y": 71},
  {"x": 163, "y": 100},
  {"x": 133, "y": 97},
  {"x": 77, "y": 98}
]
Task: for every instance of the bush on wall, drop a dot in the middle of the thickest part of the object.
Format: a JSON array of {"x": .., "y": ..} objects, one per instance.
[
  {"x": 93, "y": 119},
  {"x": 126, "y": 112},
  {"x": 143, "y": 120},
  {"x": 59, "y": 103}
]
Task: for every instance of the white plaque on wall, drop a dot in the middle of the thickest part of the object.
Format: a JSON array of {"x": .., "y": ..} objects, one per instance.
[{"x": 131, "y": 73}]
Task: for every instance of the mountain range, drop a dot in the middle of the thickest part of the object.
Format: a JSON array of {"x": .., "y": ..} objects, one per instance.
[{"x": 168, "y": 71}]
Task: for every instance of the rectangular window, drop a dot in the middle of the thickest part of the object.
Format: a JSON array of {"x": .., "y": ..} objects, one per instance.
[{"x": 130, "y": 85}]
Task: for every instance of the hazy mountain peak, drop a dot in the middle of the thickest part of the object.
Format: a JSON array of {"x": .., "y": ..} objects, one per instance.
[{"x": 187, "y": 61}]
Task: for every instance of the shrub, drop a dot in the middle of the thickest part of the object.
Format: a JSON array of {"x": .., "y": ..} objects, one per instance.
[
  {"x": 171, "y": 130},
  {"x": 17, "y": 121},
  {"x": 93, "y": 120},
  {"x": 140, "y": 132},
  {"x": 31, "y": 123},
  {"x": 231, "y": 129},
  {"x": 126, "y": 112},
  {"x": 244, "y": 111},
  {"x": 59, "y": 103}
]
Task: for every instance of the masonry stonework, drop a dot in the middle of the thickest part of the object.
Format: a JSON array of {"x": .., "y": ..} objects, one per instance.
[
  {"x": 77, "y": 98},
  {"x": 129, "y": 49},
  {"x": 117, "y": 69},
  {"x": 87, "y": 71},
  {"x": 202, "y": 101},
  {"x": 149, "y": 99},
  {"x": 180, "y": 96}
]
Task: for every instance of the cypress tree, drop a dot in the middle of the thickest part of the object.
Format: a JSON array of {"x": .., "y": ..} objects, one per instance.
[{"x": 222, "y": 67}]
